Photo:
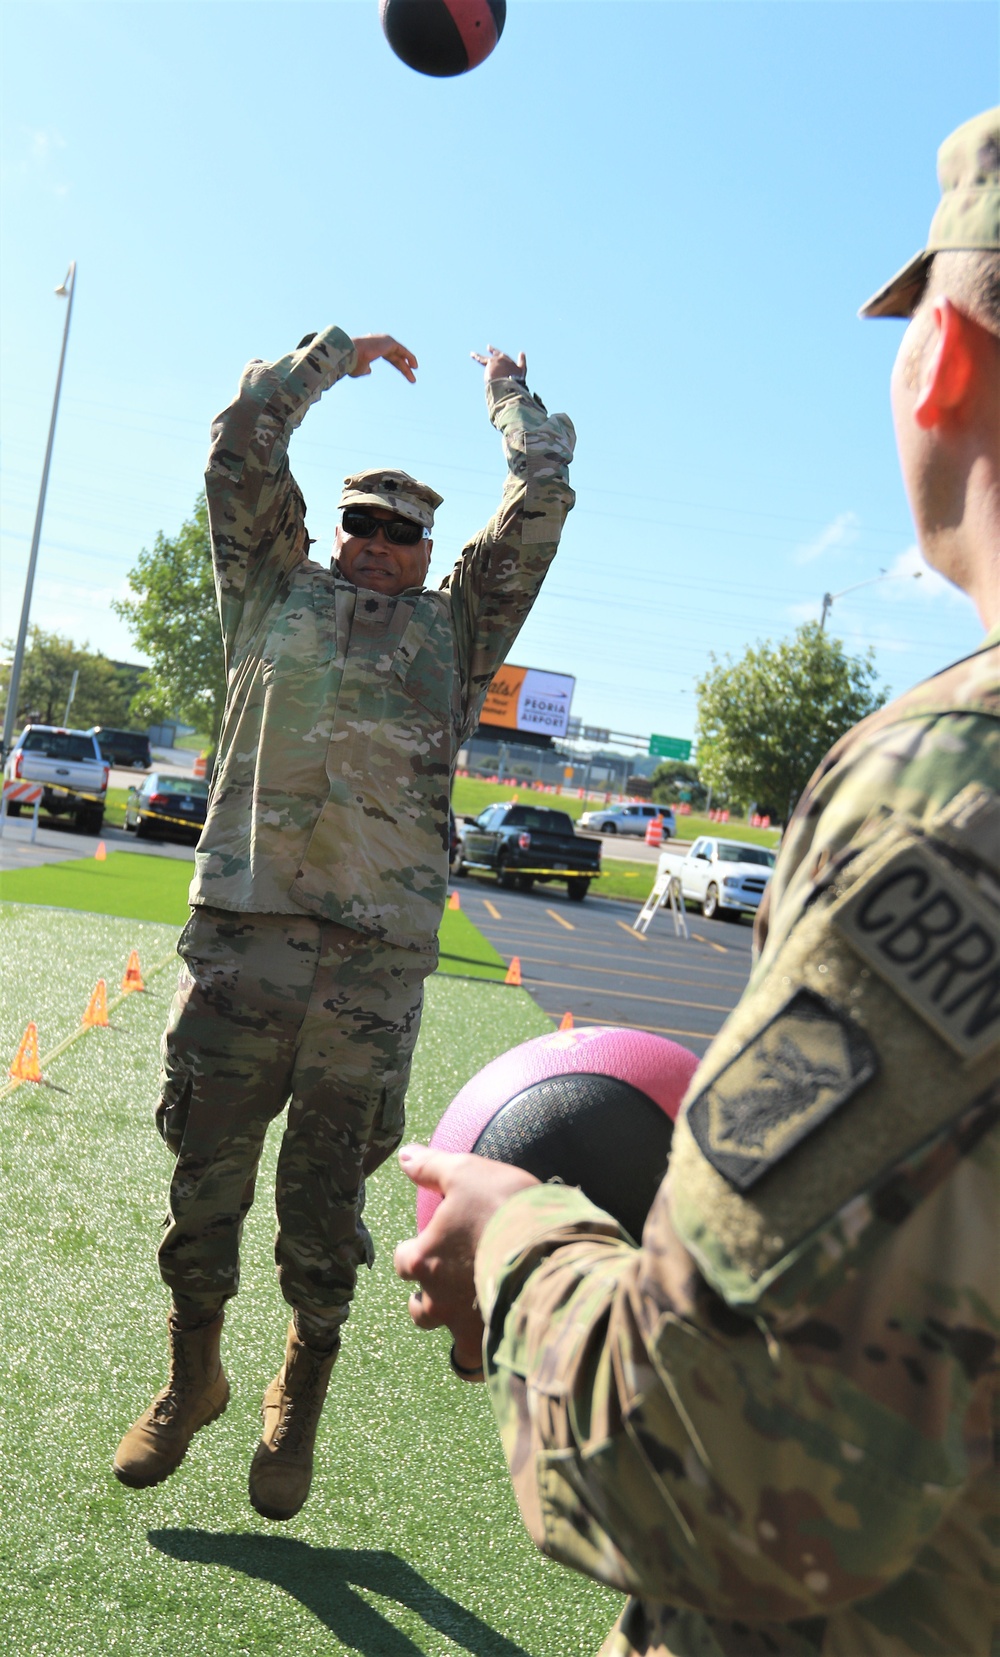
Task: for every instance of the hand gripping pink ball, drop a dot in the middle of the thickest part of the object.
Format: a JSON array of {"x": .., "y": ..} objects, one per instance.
[{"x": 594, "y": 1107}]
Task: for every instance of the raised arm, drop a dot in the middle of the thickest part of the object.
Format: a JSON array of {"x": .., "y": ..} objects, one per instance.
[
  {"x": 498, "y": 576},
  {"x": 256, "y": 511}
]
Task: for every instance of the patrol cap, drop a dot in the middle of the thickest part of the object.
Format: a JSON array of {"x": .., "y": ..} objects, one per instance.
[
  {"x": 396, "y": 491},
  {"x": 967, "y": 217}
]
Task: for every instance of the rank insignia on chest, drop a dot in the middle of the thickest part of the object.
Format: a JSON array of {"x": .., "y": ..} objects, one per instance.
[{"x": 806, "y": 1062}]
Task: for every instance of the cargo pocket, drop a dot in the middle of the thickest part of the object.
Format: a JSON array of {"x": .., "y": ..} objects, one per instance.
[
  {"x": 387, "y": 1128},
  {"x": 171, "y": 1114}
]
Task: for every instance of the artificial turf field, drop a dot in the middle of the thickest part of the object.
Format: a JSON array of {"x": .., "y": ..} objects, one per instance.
[{"x": 411, "y": 1541}]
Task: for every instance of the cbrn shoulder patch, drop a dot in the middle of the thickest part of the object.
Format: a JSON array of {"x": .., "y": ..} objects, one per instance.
[
  {"x": 935, "y": 939},
  {"x": 806, "y": 1062}
]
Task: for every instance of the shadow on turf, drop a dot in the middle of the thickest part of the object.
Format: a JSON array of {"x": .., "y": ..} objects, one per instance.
[{"x": 324, "y": 1580}]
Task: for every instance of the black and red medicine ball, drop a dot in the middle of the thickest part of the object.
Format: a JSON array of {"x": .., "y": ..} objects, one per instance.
[
  {"x": 442, "y": 37},
  {"x": 593, "y": 1107}
]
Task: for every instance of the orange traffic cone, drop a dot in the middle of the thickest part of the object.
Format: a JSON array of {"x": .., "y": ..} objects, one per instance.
[
  {"x": 26, "y": 1067},
  {"x": 97, "y": 1007},
  {"x": 101, "y": 853},
  {"x": 453, "y": 901},
  {"x": 133, "y": 974},
  {"x": 566, "y": 1022},
  {"x": 514, "y": 971}
]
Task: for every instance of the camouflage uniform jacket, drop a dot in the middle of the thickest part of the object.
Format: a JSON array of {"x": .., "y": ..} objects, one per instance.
[
  {"x": 346, "y": 707},
  {"x": 773, "y": 1425}
]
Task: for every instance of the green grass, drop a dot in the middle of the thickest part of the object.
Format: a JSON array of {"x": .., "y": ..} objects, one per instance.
[
  {"x": 411, "y": 1542},
  {"x": 465, "y": 952},
  {"x": 127, "y": 883},
  {"x": 155, "y": 889},
  {"x": 689, "y": 828},
  {"x": 469, "y": 797},
  {"x": 114, "y": 806}
]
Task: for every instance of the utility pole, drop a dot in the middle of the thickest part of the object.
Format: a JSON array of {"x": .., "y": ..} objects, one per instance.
[
  {"x": 65, "y": 290},
  {"x": 72, "y": 693},
  {"x": 883, "y": 575}
]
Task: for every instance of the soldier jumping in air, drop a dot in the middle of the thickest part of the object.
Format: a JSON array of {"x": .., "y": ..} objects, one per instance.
[
  {"x": 321, "y": 874},
  {"x": 773, "y": 1425}
]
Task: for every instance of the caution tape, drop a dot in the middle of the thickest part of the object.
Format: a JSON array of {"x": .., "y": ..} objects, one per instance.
[
  {"x": 77, "y": 793},
  {"x": 581, "y": 874},
  {"x": 161, "y": 817},
  {"x": 574, "y": 874},
  {"x": 84, "y": 1029}
]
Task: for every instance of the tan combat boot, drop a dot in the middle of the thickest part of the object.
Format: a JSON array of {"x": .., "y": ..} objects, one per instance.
[
  {"x": 281, "y": 1470},
  {"x": 196, "y": 1393}
]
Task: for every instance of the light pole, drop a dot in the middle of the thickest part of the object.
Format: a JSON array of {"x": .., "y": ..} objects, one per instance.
[
  {"x": 65, "y": 290},
  {"x": 829, "y": 599}
]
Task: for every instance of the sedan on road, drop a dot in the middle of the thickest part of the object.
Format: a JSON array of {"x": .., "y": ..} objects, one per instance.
[
  {"x": 165, "y": 807},
  {"x": 627, "y": 819}
]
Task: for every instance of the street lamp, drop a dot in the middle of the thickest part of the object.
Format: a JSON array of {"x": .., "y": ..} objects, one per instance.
[
  {"x": 829, "y": 599},
  {"x": 65, "y": 290}
]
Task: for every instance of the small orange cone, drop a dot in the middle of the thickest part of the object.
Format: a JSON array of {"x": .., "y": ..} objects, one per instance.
[
  {"x": 133, "y": 974},
  {"x": 566, "y": 1022},
  {"x": 514, "y": 971},
  {"x": 97, "y": 1007},
  {"x": 453, "y": 901},
  {"x": 26, "y": 1067},
  {"x": 101, "y": 853}
]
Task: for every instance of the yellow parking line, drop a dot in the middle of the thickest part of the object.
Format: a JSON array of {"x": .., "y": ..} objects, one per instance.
[
  {"x": 710, "y": 942},
  {"x": 492, "y": 909},
  {"x": 631, "y": 931},
  {"x": 531, "y": 983},
  {"x": 654, "y": 1029},
  {"x": 562, "y": 922}
]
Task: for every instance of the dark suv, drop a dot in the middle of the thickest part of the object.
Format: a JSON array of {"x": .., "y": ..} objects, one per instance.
[{"x": 123, "y": 747}]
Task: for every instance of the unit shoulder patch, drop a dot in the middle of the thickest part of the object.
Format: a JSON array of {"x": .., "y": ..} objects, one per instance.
[
  {"x": 934, "y": 939},
  {"x": 806, "y": 1062}
]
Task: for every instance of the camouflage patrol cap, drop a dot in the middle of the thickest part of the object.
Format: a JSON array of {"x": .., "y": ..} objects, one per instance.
[
  {"x": 396, "y": 491},
  {"x": 967, "y": 217}
]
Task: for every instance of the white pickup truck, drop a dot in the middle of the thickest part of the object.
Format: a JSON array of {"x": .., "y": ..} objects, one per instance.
[
  {"x": 70, "y": 766},
  {"x": 726, "y": 877}
]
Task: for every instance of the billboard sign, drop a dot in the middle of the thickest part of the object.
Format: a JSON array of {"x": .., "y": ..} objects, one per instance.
[{"x": 526, "y": 699}]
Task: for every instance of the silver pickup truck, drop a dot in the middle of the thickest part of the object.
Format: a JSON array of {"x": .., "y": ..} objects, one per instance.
[
  {"x": 71, "y": 769},
  {"x": 726, "y": 877}
]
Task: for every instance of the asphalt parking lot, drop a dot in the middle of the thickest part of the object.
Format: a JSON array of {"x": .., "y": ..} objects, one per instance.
[{"x": 584, "y": 958}]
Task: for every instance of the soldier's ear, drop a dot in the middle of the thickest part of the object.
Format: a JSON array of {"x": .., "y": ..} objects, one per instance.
[{"x": 947, "y": 370}]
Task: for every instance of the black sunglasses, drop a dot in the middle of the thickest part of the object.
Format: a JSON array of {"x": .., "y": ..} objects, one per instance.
[{"x": 402, "y": 532}]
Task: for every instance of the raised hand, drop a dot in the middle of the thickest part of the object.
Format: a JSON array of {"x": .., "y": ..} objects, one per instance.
[
  {"x": 370, "y": 347},
  {"x": 499, "y": 366}
]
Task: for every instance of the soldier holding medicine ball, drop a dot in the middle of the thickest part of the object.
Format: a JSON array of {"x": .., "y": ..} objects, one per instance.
[{"x": 773, "y": 1425}]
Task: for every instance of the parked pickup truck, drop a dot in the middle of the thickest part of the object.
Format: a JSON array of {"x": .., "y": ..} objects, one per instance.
[
  {"x": 524, "y": 843},
  {"x": 70, "y": 765},
  {"x": 726, "y": 877}
]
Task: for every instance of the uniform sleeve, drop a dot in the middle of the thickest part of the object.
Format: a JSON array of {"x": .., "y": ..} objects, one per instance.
[
  {"x": 498, "y": 576},
  {"x": 768, "y": 1411},
  {"x": 256, "y": 512}
]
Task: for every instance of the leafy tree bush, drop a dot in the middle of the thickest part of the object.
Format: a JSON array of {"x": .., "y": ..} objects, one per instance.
[
  {"x": 102, "y": 691},
  {"x": 765, "y": 721},
  {"x": 675, "y": 780},
  {"x": 174, "y": 620}
]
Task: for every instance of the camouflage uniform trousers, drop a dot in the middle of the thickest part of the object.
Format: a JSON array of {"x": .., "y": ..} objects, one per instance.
[{"x": 273, "y": 1010}]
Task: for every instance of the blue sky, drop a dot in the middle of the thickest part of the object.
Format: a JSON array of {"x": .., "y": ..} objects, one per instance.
[{"x": 674, "y": 209}]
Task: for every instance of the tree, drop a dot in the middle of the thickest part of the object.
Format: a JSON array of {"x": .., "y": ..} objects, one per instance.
[
  {"x": 676, "y": 779},
  {"x": 174, "y": 620},
  {"x": 765, "y": 722},
  {"x": 102, "y": 694}
]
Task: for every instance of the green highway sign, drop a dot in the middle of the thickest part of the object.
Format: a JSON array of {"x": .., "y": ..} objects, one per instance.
[{"x": 669, "y": 747}]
